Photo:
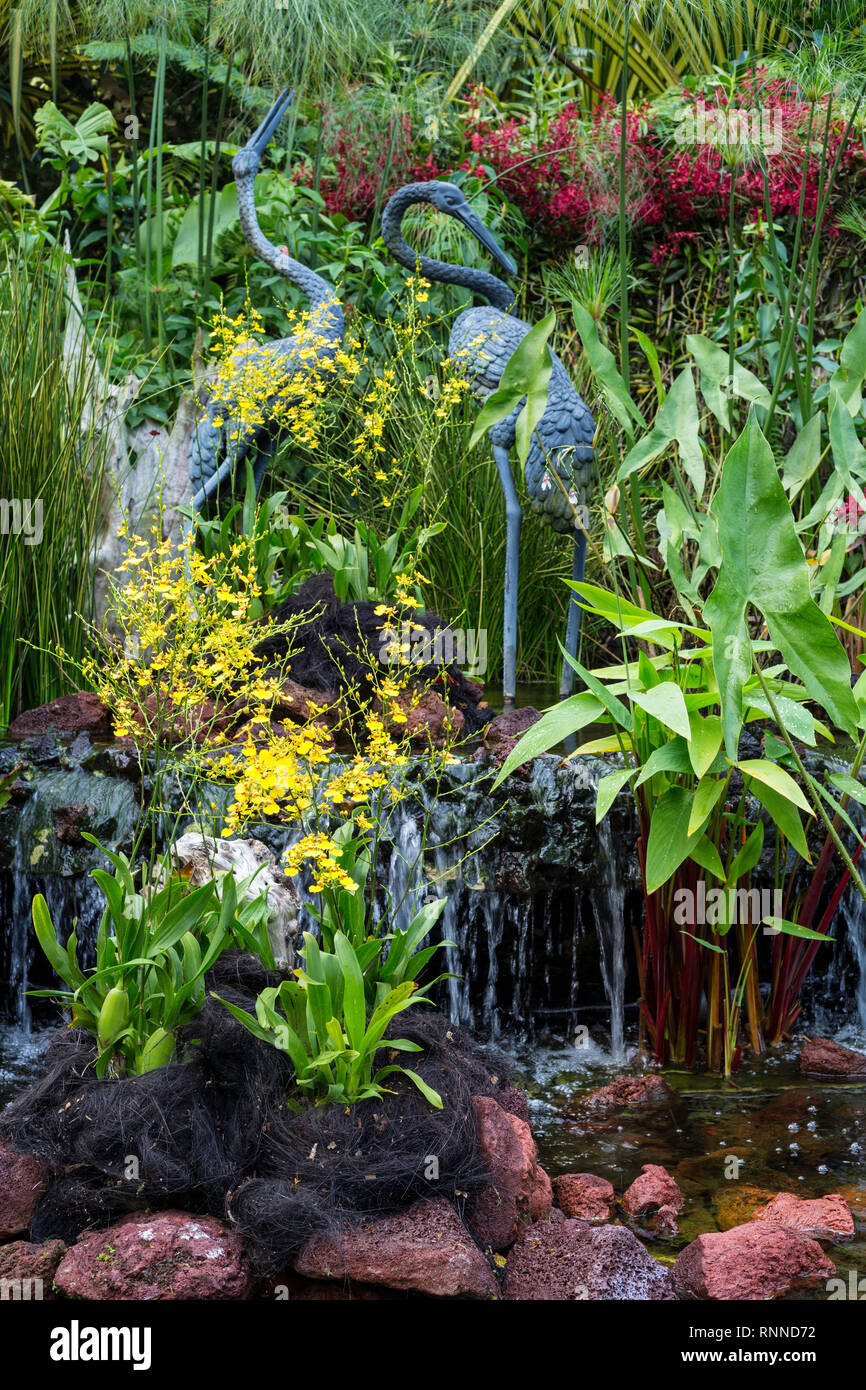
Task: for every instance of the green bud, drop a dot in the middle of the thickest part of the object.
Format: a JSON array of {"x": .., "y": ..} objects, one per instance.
[
  {"x": 113, "y": 1016},
  {"x": 157, "y": 1051}
]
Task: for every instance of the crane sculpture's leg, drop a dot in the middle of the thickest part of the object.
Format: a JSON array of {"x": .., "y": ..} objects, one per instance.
[
  {"x": 513, "y": 518},
  {"x": 572, "y": 631}
]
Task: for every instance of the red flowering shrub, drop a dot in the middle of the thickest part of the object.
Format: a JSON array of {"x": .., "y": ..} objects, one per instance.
[{"x": 566, "y": 181}]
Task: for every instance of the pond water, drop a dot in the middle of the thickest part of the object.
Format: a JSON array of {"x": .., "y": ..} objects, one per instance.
[{"x": 790, "y": 1133}]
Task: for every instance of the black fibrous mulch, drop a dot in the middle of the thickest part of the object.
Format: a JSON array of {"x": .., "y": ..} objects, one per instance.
[
  {"x": 336, "y": 646},
  {"x": 214, "y": 1134}
]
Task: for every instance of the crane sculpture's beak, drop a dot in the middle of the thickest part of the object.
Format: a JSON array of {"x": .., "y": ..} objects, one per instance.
[
  {"x": 472, "y": 222},
  {"x": 268, "y": 127}
]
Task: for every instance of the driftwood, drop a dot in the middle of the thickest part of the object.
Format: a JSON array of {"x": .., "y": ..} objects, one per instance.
[{"x": 144, "y": 470}]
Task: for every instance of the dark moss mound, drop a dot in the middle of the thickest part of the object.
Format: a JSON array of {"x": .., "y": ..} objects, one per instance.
[
  {"x": 340, "y": 642},
  {"x": 214, "y": 1134}
]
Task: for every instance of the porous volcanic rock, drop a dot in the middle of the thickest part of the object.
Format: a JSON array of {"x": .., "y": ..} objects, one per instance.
[
  {"x": 568, "y": 1260},
  {"x": 426, "y": 1249},
  {"x": 822, "y": 1218},
  {"x": 519, "y": 1187},
  {"x": 23, "y": 1179},
  {"x": 824, "y": 1057},
  {"x": 79, "y": 713},
  {"x": 585, "y": 1197},
  {"x": 756, "y": 1262},
  {"x": 27, "y": 1271},
  {"x": 656, "y": 1195},
  {"x": 163, "y": 1255},
  {"x": 626, "y": 1091}
]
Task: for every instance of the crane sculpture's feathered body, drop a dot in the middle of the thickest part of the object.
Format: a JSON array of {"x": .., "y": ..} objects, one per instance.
[
  {"x": 559, "y": 469},
  {"x": 222, "y": 439}
]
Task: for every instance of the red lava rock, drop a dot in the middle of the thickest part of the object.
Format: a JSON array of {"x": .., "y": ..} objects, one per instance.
[
  {"x": 823, "y": 1057},
  {"x": 514, "y": 1101},
  {"x": 82, "y": 712},
  {"x": 626, "y": 1091},
  {"x": 425, "y": 1249},
  {"x": 429, "y": 719},
  {"x": 27, "y": 1271},
  {"x": 197, "y": 724},
  {"x": 664, "y": 1221},
  {"x": 653, "y": 1188},
  {"x": 23, "y": 1178},
  {"x": 68, "y": 823},
  {"x": 160, "y": 1256},
  {"x": 585, "y": 1197},
  {"x": 519, "y": 1187},
  {"x": 822, "y": 1218},
  {"x": 571, "y": 1260},
  {"x": 502, "y": 734},
  {"x": 300, "y": 704},
  {"x": 756, "y": 1262}
]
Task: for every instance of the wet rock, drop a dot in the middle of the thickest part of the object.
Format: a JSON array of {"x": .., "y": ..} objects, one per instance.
[
  {"x": 571, "y": 1260},
  {"x": 519, "y": 1187},
  {"x": 627, "y": 1091},
  {"x": 80, "y": 713},
  {"x": 27, "y": 1271},
  {"x": 585, "y": 1197},
  {"x": 425, "y": 1249},
  {"x": 503, "y": 734},
  {"x": 736, "y": 1202},
  {"x": 756, "y": 1262},
  {"x": 823, "y": 1057},
  {"x": 23, "y": 1179},
  {"x": 822, "y": 1218},
  {"x": 854, "y": 1198},
  {"x": 663, "y": 1221},
  {"x": 162, "y": 1255},
  {"x": 653, "y": 1188},
  {"x": 69, "y": 821}
]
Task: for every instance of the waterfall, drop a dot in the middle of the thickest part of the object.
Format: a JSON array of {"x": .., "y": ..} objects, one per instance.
[
  {"x": 608, "y": 909},
  {"x": 37, "y": 862}
]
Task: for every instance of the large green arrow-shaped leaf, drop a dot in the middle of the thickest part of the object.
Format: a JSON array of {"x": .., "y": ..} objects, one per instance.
[{"x": 763, "y": 564}]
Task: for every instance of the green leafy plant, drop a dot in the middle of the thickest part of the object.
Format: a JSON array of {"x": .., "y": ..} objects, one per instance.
[
  {"x": 676, "y": 715},
  {"x": 322, "y": 1020},
  {"x": 153, "y": 949}
]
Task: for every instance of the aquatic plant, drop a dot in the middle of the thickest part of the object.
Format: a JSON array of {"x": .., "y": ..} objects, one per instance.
[{"x": 676, "y": 715}]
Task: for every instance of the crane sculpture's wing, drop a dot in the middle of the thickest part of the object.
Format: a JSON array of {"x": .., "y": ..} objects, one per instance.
[{"x": 559, "y": 469}]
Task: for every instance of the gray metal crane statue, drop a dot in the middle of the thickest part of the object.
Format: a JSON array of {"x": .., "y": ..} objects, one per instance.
[
  {"x": 220, "y": 441},
  {"x": 482, "y": 340}
]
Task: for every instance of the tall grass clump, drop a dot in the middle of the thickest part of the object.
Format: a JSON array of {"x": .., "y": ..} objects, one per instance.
[{"x": 51, "y": 465}]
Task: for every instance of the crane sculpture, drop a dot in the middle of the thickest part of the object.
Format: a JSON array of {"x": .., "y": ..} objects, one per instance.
[
  {"x": 222, "y": 438},
  {"x": 560, "y": 465}
]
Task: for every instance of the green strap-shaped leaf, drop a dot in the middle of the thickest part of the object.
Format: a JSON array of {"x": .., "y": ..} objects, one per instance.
[
  {"x": 763, "y": 564},
  {"x": 526, "y": 375}
]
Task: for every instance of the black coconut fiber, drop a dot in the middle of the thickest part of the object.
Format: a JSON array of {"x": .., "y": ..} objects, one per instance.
[
  {"x": 214, "y": 1134},
  {"x": 338, "y": 643}
]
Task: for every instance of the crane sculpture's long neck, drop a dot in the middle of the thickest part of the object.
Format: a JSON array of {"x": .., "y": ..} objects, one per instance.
[
  {"x": 325, "y": 308},
  {"x": 480, "y": 282}
]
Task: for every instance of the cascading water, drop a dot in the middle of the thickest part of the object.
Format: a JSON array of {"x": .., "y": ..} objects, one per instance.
[
  {"x": 608, "y": 909},
  {"x": 35, "y": 861}
]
